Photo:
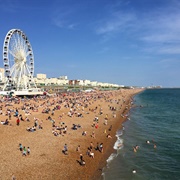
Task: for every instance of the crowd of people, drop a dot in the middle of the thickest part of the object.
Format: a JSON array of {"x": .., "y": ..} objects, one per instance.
[
  {"x": 60, "y": 110},
  {"x": 25, "y": 151}
]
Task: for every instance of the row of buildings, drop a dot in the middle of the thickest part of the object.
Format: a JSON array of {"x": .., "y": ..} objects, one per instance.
[{"x": 42, "y": 80}]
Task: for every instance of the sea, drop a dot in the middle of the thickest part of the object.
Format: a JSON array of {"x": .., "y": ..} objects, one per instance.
[{"x": 153, "y": 126}]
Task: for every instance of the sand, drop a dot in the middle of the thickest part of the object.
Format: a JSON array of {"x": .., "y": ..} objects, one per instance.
[{"x": 46, "y": 159}]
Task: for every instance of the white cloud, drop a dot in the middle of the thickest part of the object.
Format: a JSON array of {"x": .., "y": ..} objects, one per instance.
[
  {"x": 58, "y": 22},
  {"x": 62, "y": 18},
  {"x": 169, "y": 50},
  {"x": 153, "y": 30},
  {"x": 165, "y": 28},
  {"x": 167, "y": 60},
  {"x": 72, "y": 26},
  {"x": 117, "y": 22}
]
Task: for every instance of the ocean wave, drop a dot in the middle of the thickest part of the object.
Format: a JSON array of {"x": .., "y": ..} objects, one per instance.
[
  {"x": 118, "y": 144},
  {"x": 119, "y": 133},
  {"x": 111, "y": 157}
]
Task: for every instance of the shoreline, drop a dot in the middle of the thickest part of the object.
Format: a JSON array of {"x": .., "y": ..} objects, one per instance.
[
  {"x": 118, "y": 125},
  {"x": 46, "y": 159}
]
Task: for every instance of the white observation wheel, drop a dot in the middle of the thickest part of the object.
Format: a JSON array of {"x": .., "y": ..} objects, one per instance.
[{"x": 18, "y": 61}]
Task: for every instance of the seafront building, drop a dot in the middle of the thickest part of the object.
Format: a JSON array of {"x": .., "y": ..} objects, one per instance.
[{"x": 42, "y": 80}]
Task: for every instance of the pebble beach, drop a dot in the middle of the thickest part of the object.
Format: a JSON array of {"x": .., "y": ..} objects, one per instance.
[{"x": 80, "y": 121}]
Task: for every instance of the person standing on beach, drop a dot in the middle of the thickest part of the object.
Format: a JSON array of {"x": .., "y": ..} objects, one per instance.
[
  {"x": 20, "y": 147},
  {"x": 82, "y": 162},
  {"x": 97, "y": 147},
  {"x": 101, "y": 147},
  {"x": 9, "y": 115},
  {"x": 28, "y": 151},
  {"x": 96, "y": 126},
  {"x": 81, "y": 157},
  {"x": 16, "y": 113},
  {"x": 91, "y": 145},
  {"x": 78, "y": 148},
  {"x": 17, "y": 121},
  {"x": 65, "y": 149},
  {"x": 24, "y": 151},
  {"x": 93, "y": 135},
  {"x": 110, "y": 128}
]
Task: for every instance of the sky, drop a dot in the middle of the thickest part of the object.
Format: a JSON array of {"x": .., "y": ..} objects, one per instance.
[{"x": 125, "y": 42}]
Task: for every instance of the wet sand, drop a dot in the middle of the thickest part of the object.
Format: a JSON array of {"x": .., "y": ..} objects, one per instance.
[{"x": 46, "y": 159}]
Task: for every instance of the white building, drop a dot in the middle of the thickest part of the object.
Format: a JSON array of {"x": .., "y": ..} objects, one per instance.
[
  {"x": 51, "y": 81},
  {"x": 63, "y": 77},
  {"x": 87, "y": 82},
  {"x": 41, "y": 76},
  {"x": 94, "y": 83},
  {"x": 62, "y": 81},
  {"x": 41, "y": 79}
]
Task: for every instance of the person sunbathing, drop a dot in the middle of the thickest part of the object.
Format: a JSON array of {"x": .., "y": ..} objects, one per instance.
[
  {"x": 84, "y": 133},
  {"x": 55, "y": 133},
  {"x": 28, "y": 128},
  {"x": 109, "y": 136},
  {"x": 6, "y": 122},
  {"x": 31, "y": 129},
  {"x": 91, "y": 154}
]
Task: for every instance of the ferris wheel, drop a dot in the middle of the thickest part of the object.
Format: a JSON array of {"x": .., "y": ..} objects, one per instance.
[{"x": 18, "y": 61}]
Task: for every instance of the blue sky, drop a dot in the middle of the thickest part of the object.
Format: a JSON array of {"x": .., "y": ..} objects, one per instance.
[{"x": 129, "y": 42}]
